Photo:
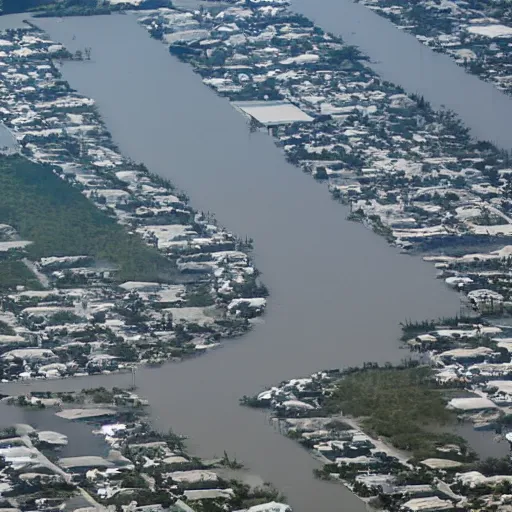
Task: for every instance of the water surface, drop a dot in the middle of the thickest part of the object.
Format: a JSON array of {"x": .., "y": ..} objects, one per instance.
[
  {"x": 81, "y": 440},
  {"x": 400, "y": 58},
  {"x": 338, "y": 292}
]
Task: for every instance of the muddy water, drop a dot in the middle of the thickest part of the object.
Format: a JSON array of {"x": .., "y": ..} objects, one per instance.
[{"x": 338, "y": 292}]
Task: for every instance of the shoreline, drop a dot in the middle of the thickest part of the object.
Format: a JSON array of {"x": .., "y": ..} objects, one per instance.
[
  {"x": 466, "y": 379},
  {"x": 376, "y": 224},
  {"x": 474, "y": 38},
  {"x": 193, "y": 285},
  {"x": 143, "y": 467},
  {"x": 369, "y": 466},
  {"x": 395, "y": 191}
]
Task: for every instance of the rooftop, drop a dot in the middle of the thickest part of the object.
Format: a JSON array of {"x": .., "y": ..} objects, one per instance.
[
  {"x": 84, "y": 462},
  {"x": 471, "y": 404},
  {"x": 80, "y": 414},
  {"x": 271, "y": 113},
  {"x": 428, "y": 504}
]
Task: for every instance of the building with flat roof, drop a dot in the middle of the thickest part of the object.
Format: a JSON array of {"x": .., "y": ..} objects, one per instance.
[
  {"x": 84, "y": 463},
  {"x": 86, "y": 414},
  {"x": 272, "y": 113}
]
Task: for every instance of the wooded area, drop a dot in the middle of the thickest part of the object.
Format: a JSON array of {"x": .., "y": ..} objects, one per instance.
[
  {"x": 12, "y": 6},
  {"x": 402, "y": 404},
  {"x": 15, "y": 273},
  {"x": 60, "y": 221}
]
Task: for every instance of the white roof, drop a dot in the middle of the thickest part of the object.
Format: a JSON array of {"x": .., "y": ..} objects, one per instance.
[
  {"x": 271, "y": 113},
  {"x": 19, "y": 456},
  {"x": 186, "y": 35},
  {"x": 484, "y": 295},
  {"x": 471, "y": 404},
  {"x": 361, "y": 460},
  {"x": 441, "y": 463},
  {"x": 467, "y": 352},
  {"x": 85, "y": 461},
  {"x": 272, "y": 506},
  {"x": 140, "y": 285},
  {"x": 6, "y": 339},
  {"x": 492, "y": 369},
  {"x": 474, "y": 478},
  {"x": 504, "y": 343},
  {"x": 46, "y": 310},
  {"x": 54, "y": 438},
  {"x": 305, "y": 58},
  {"x": 175, "y": 459},
  {"x": 252, "y": 303},
  {"x": 208, "y": 494},
  {"x": 491, "y": 31},
  {"x": 426, "y": 337},
  {"x": 132, "y": 2},
  {"x": 198, "y": 315},
  {"x": 297, "y": 404},
  {"x": 16, "y": 244},
  {"x": 30, "y": 354},
  {"x": 430, "y": 503},
  {"x": 194, "y": 476},
  {"x": 77, "y": 414},
  {"x": 503, "y": 385}
]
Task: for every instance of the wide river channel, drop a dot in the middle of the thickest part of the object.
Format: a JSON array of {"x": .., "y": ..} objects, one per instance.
[{"x": 338, "y": 292}]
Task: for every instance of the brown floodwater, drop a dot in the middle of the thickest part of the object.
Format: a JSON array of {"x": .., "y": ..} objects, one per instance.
[{"x": 338, "y": 292}]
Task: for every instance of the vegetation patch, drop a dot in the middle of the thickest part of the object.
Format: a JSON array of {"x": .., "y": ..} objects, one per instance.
[
  {"x": 15, "y": 273},
  {"x": 60, "y": 221},
  {"x": 398, "y": 404},
  {"x": 6, "y": 329},
  {"x": 411, "y": 329},
  {"x": 73, "y": 7}
]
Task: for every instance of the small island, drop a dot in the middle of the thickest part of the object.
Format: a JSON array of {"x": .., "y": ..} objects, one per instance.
[{"x": 386, "y": 432}]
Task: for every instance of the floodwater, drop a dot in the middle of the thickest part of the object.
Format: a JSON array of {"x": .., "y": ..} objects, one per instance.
[
  {"x": 400, "y": 58},
  {"x": 13, "y": 21},
  {"x": 485, "y": 443},
  {"x": 81, "y": 440},
  {"x": 338, "y": 292}
]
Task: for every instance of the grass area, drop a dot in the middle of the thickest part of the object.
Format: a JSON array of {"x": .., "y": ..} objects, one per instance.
[
  {"x": 15, "y": 273},
  {"x": 60, "y": 221},
  {"x": 398, "y": 404}
]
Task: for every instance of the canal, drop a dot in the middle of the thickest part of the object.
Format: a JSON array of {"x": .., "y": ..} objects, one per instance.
[
  {"x": 400, "y": 58},
  {"x": 338, "y": 292}
]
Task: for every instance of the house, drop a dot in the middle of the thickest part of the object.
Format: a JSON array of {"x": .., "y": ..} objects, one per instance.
[
  {"x": 441, "y": 463},
  {"x": 86, "y": 414},
  {"x": 469, "y": 355},
  {"x": 272, "y": 506},
  {"x": 272, "y": 113},
  {"x": 84, "y": 464},
  {"x": 193, "y": 477},
  {"x": 32, "y": 355},
  {"x": 180, "y": 506},
  {"x": 471, "y": 404},
  {"x": 429, "y": 504},
  {"x": 209, "y": 494}
]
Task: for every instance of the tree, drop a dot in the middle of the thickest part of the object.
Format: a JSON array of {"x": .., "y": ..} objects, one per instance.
[{"x": 175, "y": 441}]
